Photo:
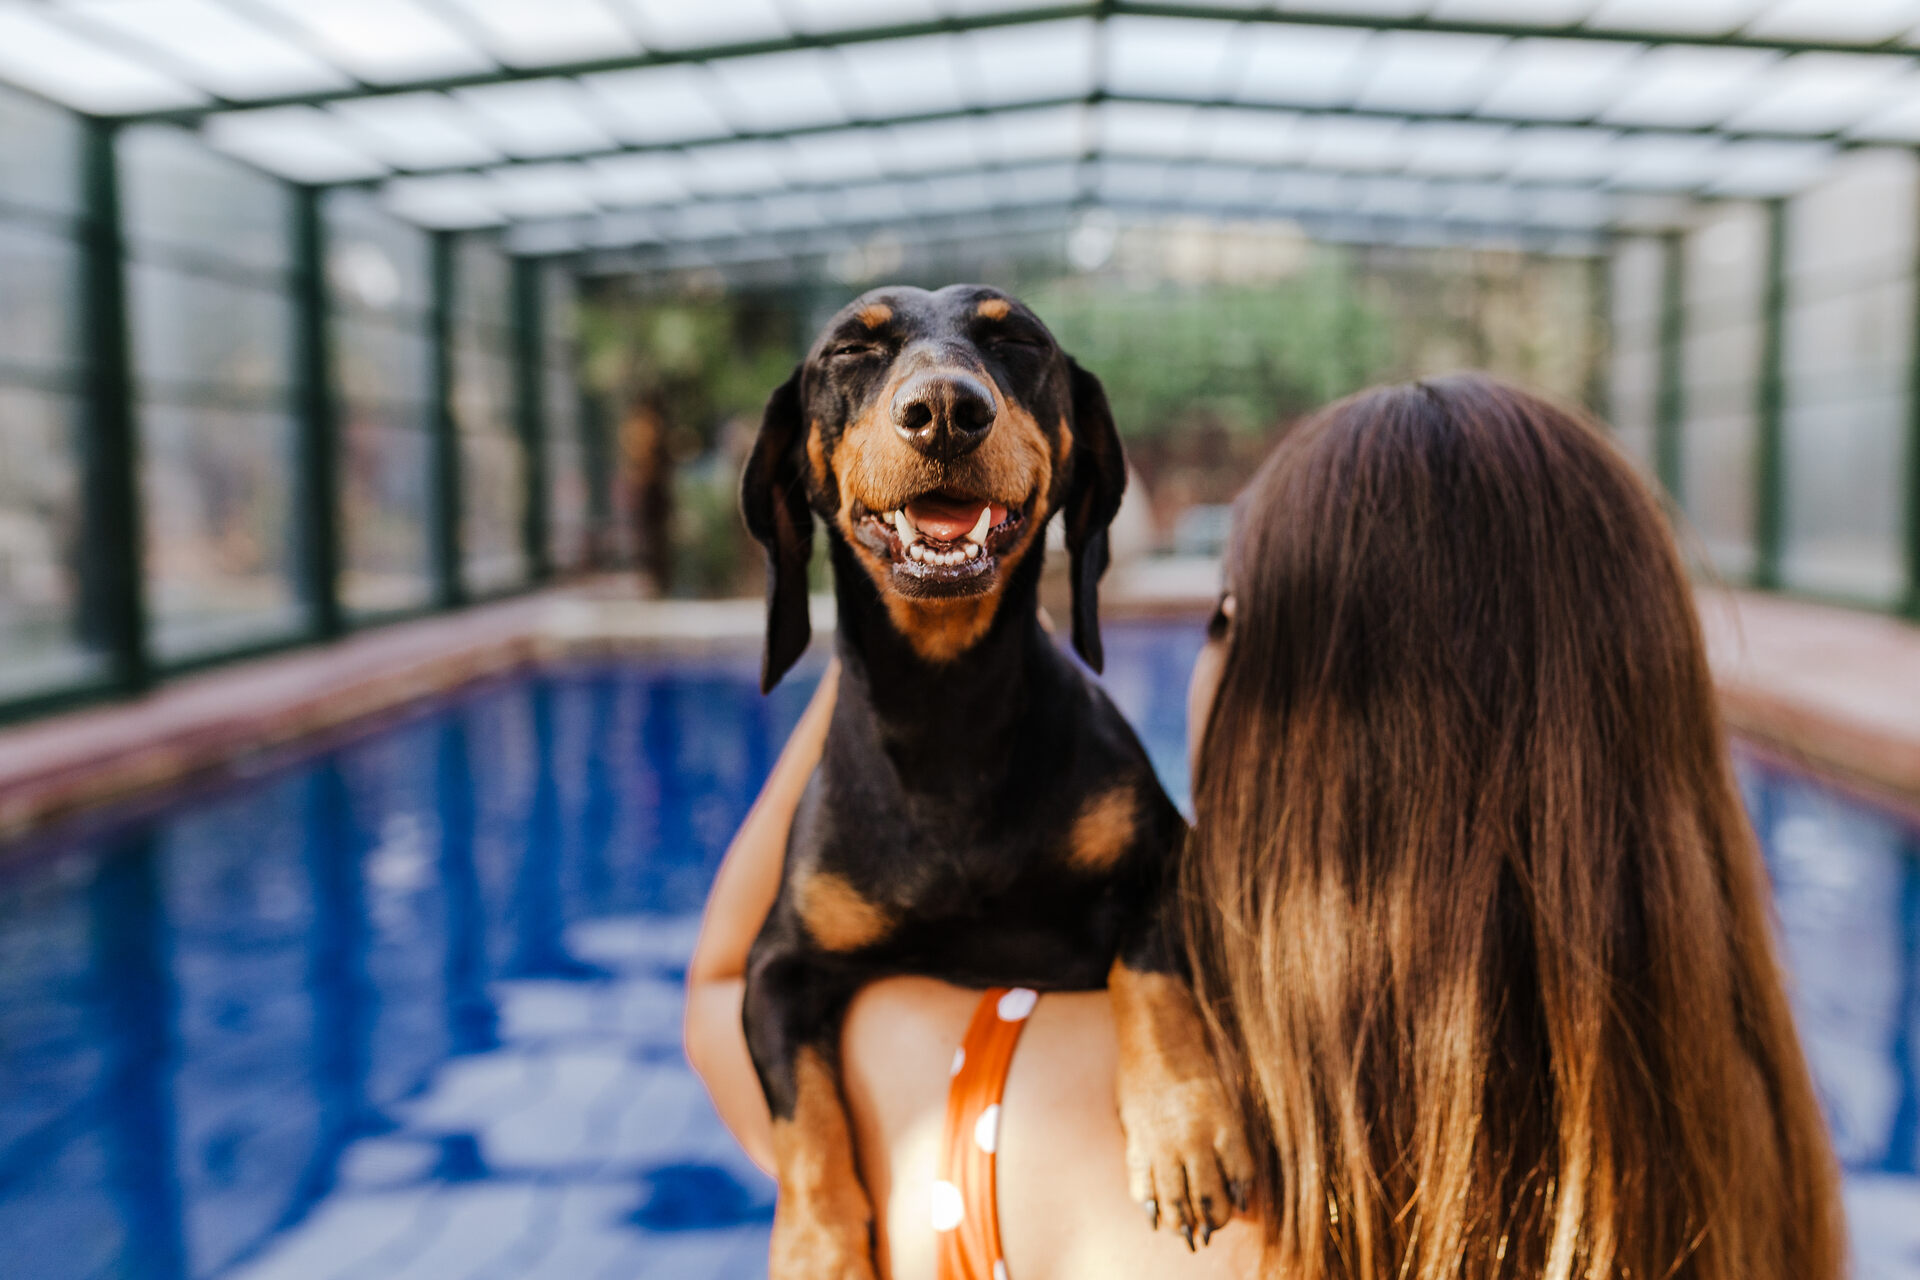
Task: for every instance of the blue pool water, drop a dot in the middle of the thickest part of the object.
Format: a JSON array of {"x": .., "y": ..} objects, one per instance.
[{"x": 409, "y": 1007}]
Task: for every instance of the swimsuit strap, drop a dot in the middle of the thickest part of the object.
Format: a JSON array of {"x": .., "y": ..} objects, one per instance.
[{"x": 966, "y": 1211}]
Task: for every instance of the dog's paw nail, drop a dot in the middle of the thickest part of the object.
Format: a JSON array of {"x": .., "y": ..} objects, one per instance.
[
  {"x": 1206, "y": 1233},
  {"x": 1237, "y": 1192},
  {"x": 1186, "y": 1233},
  {"x": 1152, "y": 1208}
]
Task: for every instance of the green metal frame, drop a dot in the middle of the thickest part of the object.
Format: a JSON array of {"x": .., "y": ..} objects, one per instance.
[
  {"x": 1670, "y": 403},
  {"x": 449, "y": 578},
  {"x": 318, "y": 498},
  {"x": 1769, "y": 458},
  {"x": 113, "y": 612},
  {"x": 1910, "y": 513},
  {"x": 530, "y": 412}
]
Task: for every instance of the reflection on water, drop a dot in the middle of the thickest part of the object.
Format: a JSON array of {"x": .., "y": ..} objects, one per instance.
[{"x": 410, "y": 1008}]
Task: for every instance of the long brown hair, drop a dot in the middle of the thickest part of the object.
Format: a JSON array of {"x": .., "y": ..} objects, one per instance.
[{"x": 1474, "y": 910}]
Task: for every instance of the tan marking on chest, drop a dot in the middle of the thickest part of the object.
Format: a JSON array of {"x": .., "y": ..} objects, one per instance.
[
  {"x": 837, "y": 916},
  {"x": 1104, "y": 830}
]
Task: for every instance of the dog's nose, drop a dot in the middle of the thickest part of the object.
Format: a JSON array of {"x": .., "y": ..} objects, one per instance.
[{"x": 943, "y": 414}]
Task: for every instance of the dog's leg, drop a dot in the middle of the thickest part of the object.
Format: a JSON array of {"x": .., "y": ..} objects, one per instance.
[
  {"x": 823, "y": 1222},
  {"x": 1187, "y": 1159}
]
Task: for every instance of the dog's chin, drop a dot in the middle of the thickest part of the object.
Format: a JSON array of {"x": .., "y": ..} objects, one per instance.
[{"x": 943, "y": 545}]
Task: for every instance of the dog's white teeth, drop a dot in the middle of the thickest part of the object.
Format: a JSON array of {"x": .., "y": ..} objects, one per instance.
[
  {"x": 916, "y": 551},
  {"x": 973, "y": 551},
  {"x": 903, "y": 526},
  {"x": 978, "y": 533}
]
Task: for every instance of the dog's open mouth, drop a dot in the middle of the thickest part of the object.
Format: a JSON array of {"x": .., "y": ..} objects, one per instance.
[{"x": 943, "y": 539}]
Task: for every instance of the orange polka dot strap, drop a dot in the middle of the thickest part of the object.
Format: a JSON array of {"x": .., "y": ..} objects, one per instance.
[{"x": 966, "y": 1212}]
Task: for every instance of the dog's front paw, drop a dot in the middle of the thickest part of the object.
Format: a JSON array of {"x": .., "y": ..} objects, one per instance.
[
  {"x": 811, "y": 1245},
  {"x": 1188, "y": 1164},
  {"x": 1187, "y": 1160}
]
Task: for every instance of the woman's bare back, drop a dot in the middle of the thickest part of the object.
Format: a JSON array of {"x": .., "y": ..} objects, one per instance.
[{"x": 1064, "y": 1209}]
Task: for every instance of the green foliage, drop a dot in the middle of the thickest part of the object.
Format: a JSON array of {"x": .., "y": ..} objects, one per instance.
[
  {"x": 699, "y": 360},
  {"x": 1247, "y": 356}
]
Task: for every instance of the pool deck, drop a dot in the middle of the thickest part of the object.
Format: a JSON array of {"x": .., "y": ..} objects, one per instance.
[{"x": 1830, "y": 690}]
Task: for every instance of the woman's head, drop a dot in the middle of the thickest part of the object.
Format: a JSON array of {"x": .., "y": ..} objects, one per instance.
[{"x": 1473, "y": 905}]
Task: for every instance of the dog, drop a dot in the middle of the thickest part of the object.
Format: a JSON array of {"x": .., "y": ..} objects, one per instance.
[{"x": 981, "y": 812}]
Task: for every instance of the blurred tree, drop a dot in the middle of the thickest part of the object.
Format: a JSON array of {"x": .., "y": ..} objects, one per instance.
[{"x": 676, "y": 370}]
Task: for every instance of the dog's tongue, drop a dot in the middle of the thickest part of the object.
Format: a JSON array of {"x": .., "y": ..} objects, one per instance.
[{"x": 950, "y": 519}]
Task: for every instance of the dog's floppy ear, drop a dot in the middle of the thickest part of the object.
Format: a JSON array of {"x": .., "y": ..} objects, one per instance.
[
  {"x": 773, "y": 498},
  {"x": 1098, "y": 480}
]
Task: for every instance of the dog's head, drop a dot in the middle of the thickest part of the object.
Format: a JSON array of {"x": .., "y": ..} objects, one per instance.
[{"x": 934, "y": 434}]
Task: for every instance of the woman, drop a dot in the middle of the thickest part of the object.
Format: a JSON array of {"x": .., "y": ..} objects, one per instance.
[{"x": 1473, "y": 909}]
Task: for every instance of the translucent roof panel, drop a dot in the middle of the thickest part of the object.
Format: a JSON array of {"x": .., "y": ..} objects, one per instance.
[
  {"x": 1867, "y": 21},
  {"x": 417, "y": 130},
  {"x": 216, "y": 46},
  {"x": 305, "y": 144},
  {"x": 1183, "y": 58},
  {"x": 40, "y": 53},
  {"x": 1818, "y": 93},
  {"x": 520, "y": 34},
  {"x": 659, "y": 104},
  {"x": 638, "y": 179},
  {"x": 1029, "y": 63},
  {"x": 537, "y": 117},
  {"x": 1556, "y": 79},
  {"x": 692, "y": 24},
  {"x": 1419, "y": 71},
  {"x": 894, "y": 76},
  {"x": 781, "y": 90},
  {"x": 382, "y": 41},
  {"x": 1681, "y": 86},
  {"x": 1307, "y": 66}
]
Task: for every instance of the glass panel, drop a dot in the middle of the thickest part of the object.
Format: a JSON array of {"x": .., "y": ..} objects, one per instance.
[
  {"x": 1636, "y": 345},
  {"x": 42, "y": 644},
  {"x": 1726, "y": 268},
  {"x": 385, "y": 496},
  {"x": 212, "y": 330},
  {"x": 377, "y": 269},
  {"x": 215, "y": 484},
  {"x": 37, "y": 315},
  {"x": 39, "y": 155},
  {"x": 569, "y": 510},
  {"x": 40, "y": 540},
  {"x": 492, "y": 460},
  {"x": 181, "y": 195},
  {"x": 1848, "y": 349}
]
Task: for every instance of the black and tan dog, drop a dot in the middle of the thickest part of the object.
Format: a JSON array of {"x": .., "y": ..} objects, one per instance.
[{"x": 981, "y": 812}]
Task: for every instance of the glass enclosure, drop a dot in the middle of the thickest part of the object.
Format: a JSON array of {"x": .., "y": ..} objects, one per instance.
[
  {"x": 43, "y": 626},
  {"x": 1725, "y": 283},
  {"x": 209, "y": 300},
  {"x": 379, "y": 281},
  {"x": 1849, "y": 361},
  {"x": 493, "y": 461}
]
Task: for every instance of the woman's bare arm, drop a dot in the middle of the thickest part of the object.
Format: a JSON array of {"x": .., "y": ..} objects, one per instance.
[{"x": 743, "y": 893}]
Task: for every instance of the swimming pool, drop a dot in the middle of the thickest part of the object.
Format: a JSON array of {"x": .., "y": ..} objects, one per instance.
[{"x": 409, "y": 1007}]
